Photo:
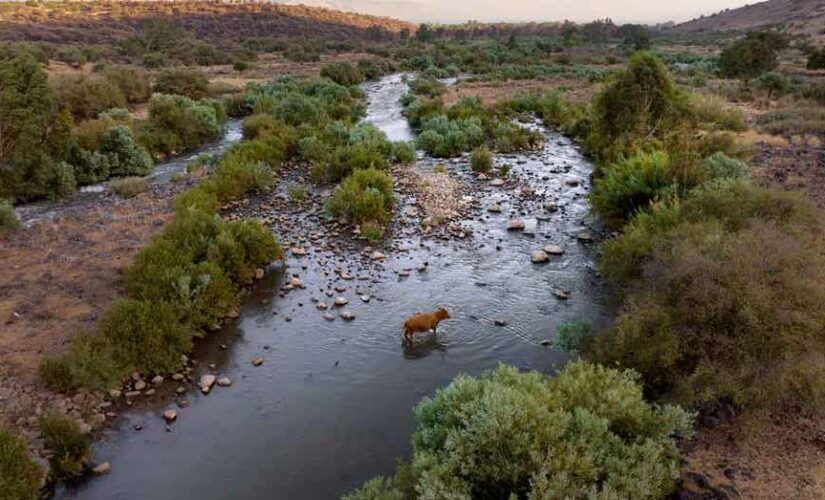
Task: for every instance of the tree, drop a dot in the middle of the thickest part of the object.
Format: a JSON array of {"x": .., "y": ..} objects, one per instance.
[
  {"x": 774, "y": 83},
  {"x": 635, "y": 36},
  {"x": 425, "y": 33},
  {"x": 751, "y": 56},
  {"x": 26, "y": 112}
]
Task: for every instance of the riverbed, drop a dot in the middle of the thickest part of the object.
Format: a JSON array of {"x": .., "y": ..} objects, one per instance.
[{"x": 331, "y": 405}]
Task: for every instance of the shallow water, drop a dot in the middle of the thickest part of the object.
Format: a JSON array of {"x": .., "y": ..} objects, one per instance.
[
  {"x": 332, "y": 404},
  {"x": 164, "y": 171}
]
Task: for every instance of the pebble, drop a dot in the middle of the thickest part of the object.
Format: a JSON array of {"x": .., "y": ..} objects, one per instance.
[
  {"x": 539, "y": 257},
  {"x": 365, "y": 298},
  {"x": 102, "y": 469},
  {"x": 140, "y": 385},
  {"x": 258, "y": 361},
  {"x": 497, "y": 182},
  {"x": 554, "y": 250},
  {"x": 561, "y": 295},
  {"x": 328, "y": 316},
  {"x": 378, "y": 255},
  {"x": 341, "y": 301},
  {"x": 494, "y": 208},
  {"x": 348, "y": 315},
  {"x": 499, "y": 322},
  {"x": 170, "y": 415},
  {"x": 515, "y": 225},
  {"x": 224, "y": 382},
  {"x": 157, "y": 380},
  {"x": 298, "y": 251},
  {"x": 206, "y": 383}
]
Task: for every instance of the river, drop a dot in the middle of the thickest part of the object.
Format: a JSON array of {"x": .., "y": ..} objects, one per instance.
[{"x": 331, "y": 406}]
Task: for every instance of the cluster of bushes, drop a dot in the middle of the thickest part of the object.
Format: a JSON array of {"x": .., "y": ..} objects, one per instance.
[
  {"x": 68, "y": 446},
  {"x": 752, "y": 55},
  {"x": 587, "y": 432},
  {"x": 160, "y": 43},
  {"x": 191, "y": 83},
  {"x": 364, "y": 197},
  {"x": 180, "y": 285},
  {"x": 343, "y": 73},
  {"x": 177, "y": 123},
  {"x": 465, "y": 126}
]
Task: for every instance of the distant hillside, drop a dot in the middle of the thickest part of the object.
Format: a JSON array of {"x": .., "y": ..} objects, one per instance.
[
  {"x": 794, "y": 16},
  {"x": 109, "y": 21}
]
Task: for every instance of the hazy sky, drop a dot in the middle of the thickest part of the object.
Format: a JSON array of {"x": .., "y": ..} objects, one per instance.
[{"x": 621, "y": 11}]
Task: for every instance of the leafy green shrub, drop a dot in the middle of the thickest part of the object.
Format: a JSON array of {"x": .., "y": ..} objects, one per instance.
[
  {"x": 62, "y": 182},
  {"x": 372, "y": 231},
  {"x": 145, "y": 336},
  {"x": 404, "y": 153},
  {"x": 177, "y": 124},
  {"x": 343, "y": 73},
  {"x": 481, "y": 160},
  {"x": 132, "y": 82},
  {"x": 69, "y": 447},
  {"x": 720, "y": 298},
  {"x": 712, "y": 111},
  {"x": 429, "y": 87},
  {"x": 129, "y": 187},
  {"x": 235, "y": 177},
  {"x": 585, "y": 433},
  {"x": 124, "y": 156},
  {"x": 19, "y": 475},
  {"x": 444, "y": 138},
  {"x": 8, "y": 217},
  {"x": 258, "y": 125},
  {"x": 366, "y": 195},
  {"x": 87, "y": 95},
  {"x": 816, "y": 59},
  {"x": 297, "y": 193},
  {"x": 751, "y": 56},
  {"x": 191, "y": 83},
  {"x": 630, "y": 185},
  {"x": 721, "y": 166},
  {"x": 56, "y": 374}
]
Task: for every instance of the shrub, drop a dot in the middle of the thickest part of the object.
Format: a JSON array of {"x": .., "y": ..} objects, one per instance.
[
  {"x": 749, "y": 57},
  {"x": 69, "y": 447},
  {"x": 343, "y": 73},
  {"x": 259, "y": 125},
  {"x": 191, "y": 83},
  {"x": 20, "y": 476},
  {"x": 8, "y": 217},
  {"x": 404, "y": 153},
  {"x": 56, "y": 374},
  {"x": 816, "y": 59},
  {"x": 177, "y": 123},
  {"x": 297, "y": 193},
  {"x": 129, "y": 187},
  {"x": 713, "y": 112},
  {"x": 87, "y": 95},
  {"x": 721, "y": 166},
  {"x": 132, "y": 82},
  {"x": 62, "y": 182},
  {"x": 124, "y": 156},
  {"x": 366, "y": 195},
  {"x": 146, "y": 337},
  {"x": 429, "y": 87},
  {"x": 585, "y": 433},
  {"x": 372, "y": 231},
  {"x": 630, "y": 185},
  {"x": 481, "y": 160},
  {"x": 721, "y": 292}
]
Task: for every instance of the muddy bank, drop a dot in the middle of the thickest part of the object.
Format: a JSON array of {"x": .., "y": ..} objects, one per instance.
[{"x": 330, "y": 403}]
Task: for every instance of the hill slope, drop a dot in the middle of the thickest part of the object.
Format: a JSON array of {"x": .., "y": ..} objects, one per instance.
[
  {"x": 109, "y": 21},
  {"x": 795, "y": 16}
]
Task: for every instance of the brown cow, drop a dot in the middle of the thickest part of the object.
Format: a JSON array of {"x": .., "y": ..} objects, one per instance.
[{"x": 424, "y": 322}]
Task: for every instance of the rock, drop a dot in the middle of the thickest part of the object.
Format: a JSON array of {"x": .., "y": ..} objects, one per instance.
[
  {"x": 515, "y": 225},
  {"x": 259, "y": 273},
  {"x": 298, "y": 251},
  {"x": 561, "y": 295},
  {"x": 321, "y": 306},
  {"x": 539, "y": 257},
  {"x": 140, "y": 385},
  {"x": 177, "y": 377},
  {"x": 101, "y": 469},
  {"x": 497, "y": 182},
  {"x": 572, "y": 182},
  {"x": 494, "y": 208},
  {"x": 234, "y": 314},
  {"x": 341, "y": 301},
  {"x": 224, "y": 382},
  {"x": 132, "y": 394},
  {"x": 258, "y": 361},
  {"x": 530, "y": 226},
  {"x": 499, "y": 322},
  {"x": 378, "y": 256},
  {"x": 206, "y": 383},
  {"x": 545, "y": 343},
  {"x": 365, "y": 298},
  {"x": 348, "y": 315},
  {"x": 157, "y": 380},
  {"x": 85, "y": 428},
  {"x": 422, "y": 267},
  {"x": 114, "y": 393},
  {"x": 551, "y": 206},
  {"x": 329, "y": 317},
  {"x": 150, "y": 392},
  {"x": 585, "y": 236},
  {"x": 296, "y": 282},
  {"x": 180, "y": 390},
  {"x": 170, "y": 415},
  {"x": 554, "y": 250}
]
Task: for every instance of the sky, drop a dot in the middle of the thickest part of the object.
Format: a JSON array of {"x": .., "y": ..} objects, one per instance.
[{"x": 449, "y": 11}]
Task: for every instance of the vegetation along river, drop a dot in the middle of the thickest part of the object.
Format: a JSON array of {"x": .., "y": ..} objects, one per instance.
[{"x": 331, "y": 405}]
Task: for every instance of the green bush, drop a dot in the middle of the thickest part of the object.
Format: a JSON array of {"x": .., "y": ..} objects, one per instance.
[
  {"x": 630, "y": 185},
  {"x": 587, "y": 433},
  {"x": 69, "y": 447},
  {"x": 177, "y": 124},
  {"x": 8, "y": 217},
  {"x": 343, "y": 73},
  {"x": 481, "y": 160},
  {"x": 132, "y": 82},
  {"x": 62, "y": 182},
  {"x": 816, "y": 59},
  {"x": 751, "y": 56},
  {"x": 713, "y": 112},
  {"x": 404, "y": 153},
  {"x": 125, "y": 157},
  {"x": 20, "y": 476},
  {"x": 429, "y": 87},
  {"x": 129, "y": 187},
  {"x": 721, "y": 293},
  {"x": 774, "y": 83},
  {"x": 365, "y": 196},
  {"x": 146, "y": 337},
  {"x": 259, "y": 125},
  {"x": 56, "y": 374},
  {"x": 191, "y": 83},
  {"x": 721, "y": 166}
]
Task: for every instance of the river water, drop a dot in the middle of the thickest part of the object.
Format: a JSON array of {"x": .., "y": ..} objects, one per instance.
[{"x": 331, "y": 406}]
